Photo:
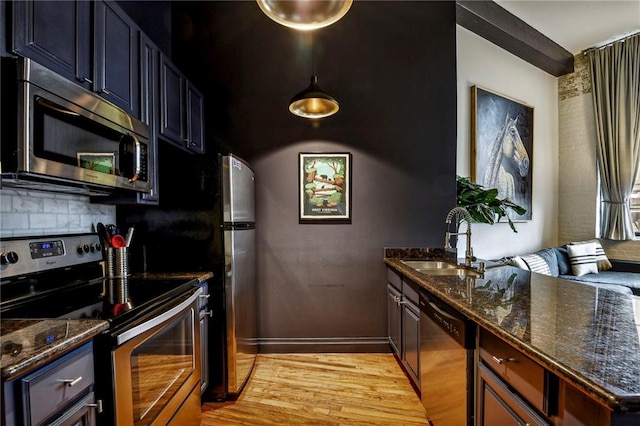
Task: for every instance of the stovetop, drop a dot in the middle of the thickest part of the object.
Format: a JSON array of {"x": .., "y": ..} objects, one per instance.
[
  {"x": 61, "y": 277},
  {"x": 96, "y": 299}
]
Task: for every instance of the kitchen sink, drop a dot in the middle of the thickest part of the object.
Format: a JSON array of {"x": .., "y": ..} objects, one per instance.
[
  {"x": 429, "y": 264},
  {"x": 461, "y": 272},
  {"x": 440, "y": 267}
]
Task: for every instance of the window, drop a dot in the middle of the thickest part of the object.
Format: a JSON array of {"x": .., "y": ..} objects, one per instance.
[{"x": 634, "y": 202}]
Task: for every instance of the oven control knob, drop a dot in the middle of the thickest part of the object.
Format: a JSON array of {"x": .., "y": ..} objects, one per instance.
[
  {"x": 83, "y": 248},
  {"x": 95, "y": 247},
  {"x": 9, "y": 258}
]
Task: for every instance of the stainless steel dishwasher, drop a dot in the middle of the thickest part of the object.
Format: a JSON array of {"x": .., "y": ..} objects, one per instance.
[{"x": 447, "y": 341}]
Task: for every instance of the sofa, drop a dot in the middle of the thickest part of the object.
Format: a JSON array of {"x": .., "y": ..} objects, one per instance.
[{"x": 583, "y": 261}]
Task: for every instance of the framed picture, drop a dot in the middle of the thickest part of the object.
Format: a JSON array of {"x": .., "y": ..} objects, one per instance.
[
  {"x": 325, "y": 187},
  {"x": 103, "y": 162},
  {"x": 502, "y": 147}
]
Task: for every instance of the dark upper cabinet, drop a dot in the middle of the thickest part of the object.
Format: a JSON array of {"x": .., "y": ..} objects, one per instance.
[
  {"x": 181, "y": 109},
  {"x": 171, "y": 102},
  {"x": 59, "y": 34},
  {"x": 195, "y": 119},
  {"x": 148, "y": 112},
  {"x": 56, "y": 34},
  {"x": 116, "y": 57}
]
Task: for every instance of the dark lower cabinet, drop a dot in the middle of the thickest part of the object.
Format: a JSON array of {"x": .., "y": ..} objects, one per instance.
[
  {"x": 411, "y": 339},
  {"x": 403, "y": 323},
  {"x": 394, "y": 318},
  {"x": 497, "y": 404},
  {"x": 61, "y": 392},
  {"x": 204, "y": 315},
  {"x": 56, "y": 34}
]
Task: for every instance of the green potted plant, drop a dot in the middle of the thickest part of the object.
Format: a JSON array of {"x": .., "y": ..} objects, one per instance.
[{"x": 483, "y": 204}]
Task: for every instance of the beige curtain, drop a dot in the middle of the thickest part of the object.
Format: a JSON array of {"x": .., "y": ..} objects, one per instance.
[{"x": 615, "y": 74}]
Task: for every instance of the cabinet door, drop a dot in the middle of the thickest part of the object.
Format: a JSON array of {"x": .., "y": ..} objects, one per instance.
[
  {"x": 57, "y": 35},
  {"x": 411, "y": 339},
  {"x": 394, "y": 318},
  {"x": 498, "y": 405},
  {"x": 195, "y": 119},
  {"x": 116, "y": 57},
  {"x": 204, "y": 351},
  {"x": 148, "y": 111},
  {"x": 171, "y": 102}
]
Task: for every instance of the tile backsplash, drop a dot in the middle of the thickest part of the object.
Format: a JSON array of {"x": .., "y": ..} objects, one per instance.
[{"x": 28, "y": 212}]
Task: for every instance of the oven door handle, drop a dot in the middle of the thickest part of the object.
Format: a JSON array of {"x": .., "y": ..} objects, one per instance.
[{"x": 139, "y": 329}]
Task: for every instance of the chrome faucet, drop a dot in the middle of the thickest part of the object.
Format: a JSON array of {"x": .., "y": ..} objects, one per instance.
[{"x": 460, "y": 214}]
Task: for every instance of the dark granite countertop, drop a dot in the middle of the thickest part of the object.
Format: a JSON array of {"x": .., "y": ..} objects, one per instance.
[
  {"x": 589, "y": 337},
  {"x": 29, "y": 343}
]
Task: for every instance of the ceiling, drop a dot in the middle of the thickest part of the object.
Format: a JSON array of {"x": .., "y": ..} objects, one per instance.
[{"x": 577, "y": 24}]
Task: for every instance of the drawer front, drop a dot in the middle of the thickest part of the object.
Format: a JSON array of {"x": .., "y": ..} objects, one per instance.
[
  {"x": 394, "y": 279},
  {"x": 53, "y": 386},
  {"x": 523, "y": 374},
  {"x": 497, "y": 405}
]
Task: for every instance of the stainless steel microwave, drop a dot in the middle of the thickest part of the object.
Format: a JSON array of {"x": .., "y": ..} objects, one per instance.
[{"x": 54, "y": 131}]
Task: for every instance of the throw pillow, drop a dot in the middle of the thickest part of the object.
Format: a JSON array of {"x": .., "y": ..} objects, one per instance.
[
  {"x": 517, "y": 262},
  {"x": 601, "y": 256},
  {"x": 549, "y": 256},
  {"x": 564, "y": 264},
  {"x": 536, "y": 263},
  {"x": 583, "y": 259}
]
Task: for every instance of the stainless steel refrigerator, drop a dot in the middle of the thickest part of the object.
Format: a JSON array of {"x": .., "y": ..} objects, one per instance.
[
  {"x": 205, "y": 222},
  {"x": 238, "y": 201}
]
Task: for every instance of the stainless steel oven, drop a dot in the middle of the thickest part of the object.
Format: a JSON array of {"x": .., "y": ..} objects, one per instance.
[
  {"x": 147, "y": 364},
  {"x": 55, "y": 131},
  {"x": 156, "y": 367}
]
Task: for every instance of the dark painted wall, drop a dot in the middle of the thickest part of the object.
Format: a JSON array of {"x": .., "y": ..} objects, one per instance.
[{"x": 391, "y": 65}]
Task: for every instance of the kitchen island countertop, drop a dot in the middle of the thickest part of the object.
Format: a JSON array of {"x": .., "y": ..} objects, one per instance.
[{"x": 588, "y": 336}]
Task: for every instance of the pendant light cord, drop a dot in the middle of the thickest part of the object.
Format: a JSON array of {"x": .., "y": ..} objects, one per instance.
[{"x": 313, "y": 55}]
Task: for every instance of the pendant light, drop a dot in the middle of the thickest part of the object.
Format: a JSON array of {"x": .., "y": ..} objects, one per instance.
[
  {"x": 305, "y": 15},
  {"x": 313, "y": 102}
]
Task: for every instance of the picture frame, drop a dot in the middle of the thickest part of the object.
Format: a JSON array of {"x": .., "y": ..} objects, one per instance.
[
  {"x": 102, "y": 162},
  {"x": 502, "y": 147},
  {"x": 324, "y": 181}
]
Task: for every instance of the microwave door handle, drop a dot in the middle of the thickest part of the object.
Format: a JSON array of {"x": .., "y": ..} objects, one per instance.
[
  {"x": 48, "y": 104},
  {"x": 136, "y": 160}
]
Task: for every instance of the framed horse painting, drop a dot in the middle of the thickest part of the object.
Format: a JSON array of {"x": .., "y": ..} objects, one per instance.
[{"x": 502, "y": 147}]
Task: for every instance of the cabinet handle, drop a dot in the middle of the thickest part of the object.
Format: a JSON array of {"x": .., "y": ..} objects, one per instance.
[
  {"x": 105, "y": 91},
  {"x": 209, "y": 313},
  {"x": 502, "y": 360},
  {"x": 71, "y": 382},
  {"x": 204, "y": 296},
  {"x": 97, "y": 406},
  {"x": 85, "y": 80}
]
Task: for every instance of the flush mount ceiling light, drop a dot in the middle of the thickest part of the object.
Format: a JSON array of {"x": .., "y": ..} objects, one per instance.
[
  {"x": 305, "y": 15},
  {"x": 313, "y": 102}
]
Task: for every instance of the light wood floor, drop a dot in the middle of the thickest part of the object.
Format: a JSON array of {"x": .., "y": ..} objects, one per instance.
[{"x": 322, "y": 389}]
